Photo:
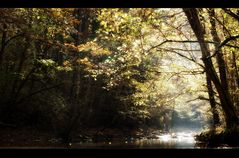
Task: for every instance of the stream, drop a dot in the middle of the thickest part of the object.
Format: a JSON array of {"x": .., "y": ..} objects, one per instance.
[
  {"x": 176, "y": 139},
  {"x": 167, "y": 140}
]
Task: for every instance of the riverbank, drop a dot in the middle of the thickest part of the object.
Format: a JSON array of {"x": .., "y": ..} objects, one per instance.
[{"x": 224, "y": 138}]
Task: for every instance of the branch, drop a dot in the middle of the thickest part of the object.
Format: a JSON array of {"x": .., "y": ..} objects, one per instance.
[
  {"x": 13, "y": 37},
  {"x": 177, "y": 41},
  {"x": 179, "y": 72},
  {"x": 186, "y": 50},
  {"x": 223, "y": 25},
  {"x": 158, "y": 45},
  {"x": 232, "y": 46},
  {"x": 36, "y": 92},
  {"x": 224, "y": 43},
  {"x": 200, "y": 98},
  {"x": 229, "y": 12},
  {"x": 184, "y": 56},
  {"x": 227, "y": 40}
]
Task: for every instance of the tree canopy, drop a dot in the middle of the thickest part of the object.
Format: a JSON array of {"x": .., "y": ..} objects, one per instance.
[{"x": 126, "y": 68}]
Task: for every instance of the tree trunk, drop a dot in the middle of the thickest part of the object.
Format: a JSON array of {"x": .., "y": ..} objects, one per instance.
[
  {"x": 216, "y": 119},
  {"x": 226, "y": 103},
  {"x": 218, "y": 51},
  {"x": 235, "y": 67},
  {"x": 234, "y": 80},
  {"x": 3, "y": 43}
]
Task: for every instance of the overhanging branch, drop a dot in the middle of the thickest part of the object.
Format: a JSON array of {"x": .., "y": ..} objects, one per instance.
[{"x": 184, "y": 56}]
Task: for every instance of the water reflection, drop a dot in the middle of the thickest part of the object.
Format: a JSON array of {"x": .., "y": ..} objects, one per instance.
[{"x": 172, "y": 140}]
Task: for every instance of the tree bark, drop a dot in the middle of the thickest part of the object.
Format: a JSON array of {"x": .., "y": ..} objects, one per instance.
[
  {"x": 235, "y": 67},
  {"x": 216, "y": 118},
  {"x": 226, "y": 103},
  {"x": 3, "y": 43},
  {"x": 218, "y": 51}
]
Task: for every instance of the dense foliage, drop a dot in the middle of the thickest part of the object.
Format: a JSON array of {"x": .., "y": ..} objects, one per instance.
[{"x": 66, "y": 70}]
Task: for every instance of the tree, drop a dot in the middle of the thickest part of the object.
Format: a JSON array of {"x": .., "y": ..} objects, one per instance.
[{"x": 220, "y": 83}]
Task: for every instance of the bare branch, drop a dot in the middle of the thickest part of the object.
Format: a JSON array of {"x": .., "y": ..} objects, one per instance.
[
  {"x": 176, "y": 41},
  {"x": 174, "y": 72},
  {"x": 186, "y": 50},
  {"x": 200, "y": 98},
  {"x": 184, "y": 56},
  {"x": 224, "y": 43},
  {"x": 228, "y": 40}
]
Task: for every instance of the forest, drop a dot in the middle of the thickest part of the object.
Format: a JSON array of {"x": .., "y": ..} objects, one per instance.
[{"x": 75, "y": 75}]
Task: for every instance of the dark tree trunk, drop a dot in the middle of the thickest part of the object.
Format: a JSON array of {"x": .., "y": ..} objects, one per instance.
[
  {"x": 235, "y": 67},
  {"x": 218, "y": 51},
  {"x": 76, "y": 110},
  {"x": 216, "y": 119},
  {"x": 19, "y": 70},
  {"x": 3, "y": 43},
  {"x": 224, "y": 96},
  {"x": 219, "y": 55}
]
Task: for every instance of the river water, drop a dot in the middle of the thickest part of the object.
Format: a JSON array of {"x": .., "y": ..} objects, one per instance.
[
  {"x": 175, "y": 140},
  {"x": 181, "y": 140}
]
